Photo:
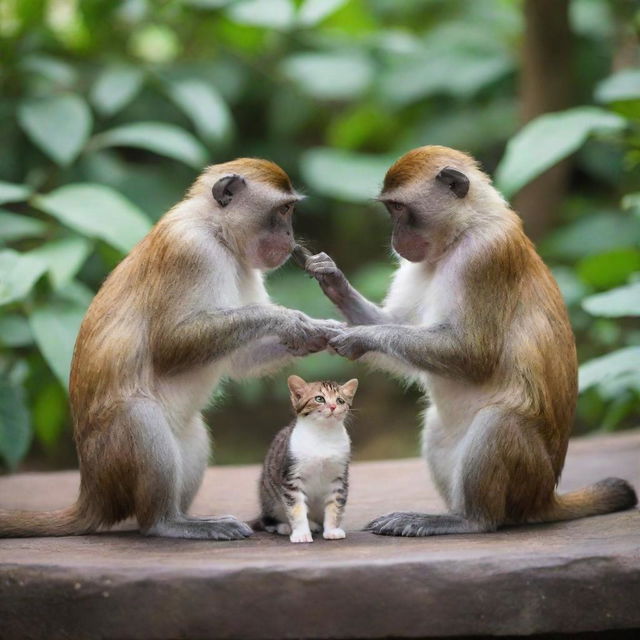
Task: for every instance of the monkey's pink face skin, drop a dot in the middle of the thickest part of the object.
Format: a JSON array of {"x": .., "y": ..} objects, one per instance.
[
  {"x": 272, "y": 250},
  {"x": 409, "y": 244}
]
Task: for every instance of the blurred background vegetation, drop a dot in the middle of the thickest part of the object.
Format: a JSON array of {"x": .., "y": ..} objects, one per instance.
[{"x": 111, "y": 107}]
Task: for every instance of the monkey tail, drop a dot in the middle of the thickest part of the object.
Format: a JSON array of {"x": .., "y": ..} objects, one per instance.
[
  {"x": 606, "y": 496},
  {"x": 71, "y": 521}
]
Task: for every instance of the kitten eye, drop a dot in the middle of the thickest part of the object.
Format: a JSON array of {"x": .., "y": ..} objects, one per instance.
[
  {"x": 319, "y": 399},
  {"x": 340, "y": 401}
]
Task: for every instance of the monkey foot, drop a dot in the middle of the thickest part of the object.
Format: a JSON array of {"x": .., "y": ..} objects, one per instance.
[
  {"x": 412, "y": 524},
  {"x": 221, "y": 528}
]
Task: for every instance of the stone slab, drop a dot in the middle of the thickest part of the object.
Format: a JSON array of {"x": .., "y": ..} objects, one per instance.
[{"x": 564, "y": 578}]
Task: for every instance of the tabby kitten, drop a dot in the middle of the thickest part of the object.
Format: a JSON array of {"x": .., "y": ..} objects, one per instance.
[{"x": 304, "y": 482}]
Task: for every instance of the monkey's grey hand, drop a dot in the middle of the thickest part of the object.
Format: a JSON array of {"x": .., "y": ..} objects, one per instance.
[
  {"x": 331, "y": 279},
  {"x": 353, "y": 343},
  {"x": 303, "y": 335}
]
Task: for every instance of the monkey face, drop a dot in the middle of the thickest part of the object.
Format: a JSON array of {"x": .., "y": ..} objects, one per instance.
[
  {"x": 274, "y": 241},
  {"x": 257, "y": 214},
  {"x": 426, "y": 202}
]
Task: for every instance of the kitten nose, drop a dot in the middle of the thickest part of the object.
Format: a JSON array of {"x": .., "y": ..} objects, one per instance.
[{"x": 332, "y": 407}]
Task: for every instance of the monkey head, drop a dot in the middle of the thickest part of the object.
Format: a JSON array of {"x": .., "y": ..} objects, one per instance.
[
  {"x": 431, "y": 194},
  {"x": 253, "y": 204}
]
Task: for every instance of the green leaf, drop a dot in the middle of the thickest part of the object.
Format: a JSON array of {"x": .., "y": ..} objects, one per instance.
[
  {"x": 49, "y": 413},
  {"x": 13, "y": 192},
  {"x": 610, "y": 269},
  {"x": 330, "y": 76},
  {"x": 64, "y": 258},
  {"x": 622, "y": 86},
  {"x": 55, "y": 327},
  {"x": 545, "y": 141},
  {"x": 115, "y": 88},
  {"x": 15, "y": 429},
  {"x": 59, "y": 125},
  {"x": 608, "y": 368},
  {"x": 98, "y": 212},
  {"x": 14, "y": 331},
  {"x": 204, "y": 106},
  {"x": 619, "y": 302},
  {"x": 272, "y": 14},
  {"x": 314, "y": 11},
  {"x": 591, "y": 235},
  {"x": 344, "y": 175},
  {"x": 18, "y": 274},
  {"x": 14, "y": 226},
  {"x": 165, "y": 139}
]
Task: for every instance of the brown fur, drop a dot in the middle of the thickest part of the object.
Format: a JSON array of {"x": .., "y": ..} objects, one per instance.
[{"x": 131, "y": 335}]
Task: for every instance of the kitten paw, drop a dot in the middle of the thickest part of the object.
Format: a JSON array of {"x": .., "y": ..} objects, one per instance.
[
  {"x": 283, "y": 529},
  {"x": 334, "y": 534},
  {"x": 301, "y": 536}
]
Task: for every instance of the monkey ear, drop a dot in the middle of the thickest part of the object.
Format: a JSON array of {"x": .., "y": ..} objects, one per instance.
[
  {"x": 296, "y": 385},
  {"x": 225, "y": 188},
  {"x": 457, "y": 182},
  {"x": 349, "y": 388}
]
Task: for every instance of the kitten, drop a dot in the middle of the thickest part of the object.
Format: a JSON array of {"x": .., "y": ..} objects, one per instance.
[{"x": 304, "y": 482}]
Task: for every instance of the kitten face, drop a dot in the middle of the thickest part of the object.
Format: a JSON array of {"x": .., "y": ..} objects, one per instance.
[{"x": 324, "y": 400}]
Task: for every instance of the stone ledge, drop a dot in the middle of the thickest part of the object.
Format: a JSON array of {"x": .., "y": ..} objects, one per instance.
[{"x": 567, "y": 577}]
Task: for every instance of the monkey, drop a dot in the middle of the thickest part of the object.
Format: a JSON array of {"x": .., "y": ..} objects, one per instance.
[
  {"x": 185, "y": 308},
  {"x": 476, "y": 318}
]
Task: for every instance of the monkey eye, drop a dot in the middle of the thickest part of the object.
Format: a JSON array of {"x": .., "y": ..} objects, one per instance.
[
  {"x": 340, "y": 401},
  {"x": 319, "y": 399},
  {"x": 285, "y": 209},
  {"x": 395, "y": 207}
]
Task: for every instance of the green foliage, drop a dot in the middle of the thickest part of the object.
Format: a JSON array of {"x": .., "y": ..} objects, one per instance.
[{"x": 111, "y": 108}]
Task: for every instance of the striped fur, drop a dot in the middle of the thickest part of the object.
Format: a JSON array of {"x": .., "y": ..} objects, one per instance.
[{"x": 305, "y": 477}]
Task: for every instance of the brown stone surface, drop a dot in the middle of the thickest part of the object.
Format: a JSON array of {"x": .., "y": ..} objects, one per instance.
[{"x": 568, "y": 577}]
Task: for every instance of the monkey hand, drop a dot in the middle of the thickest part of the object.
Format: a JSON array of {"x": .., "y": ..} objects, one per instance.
[
  {"x": 331, "y": 279},
  {"x": 353, "y": 343},
  {"x": 303, "y": 335}
]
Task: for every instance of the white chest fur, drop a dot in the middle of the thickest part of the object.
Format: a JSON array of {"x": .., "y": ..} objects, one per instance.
[{"x": 321, "y": 449}]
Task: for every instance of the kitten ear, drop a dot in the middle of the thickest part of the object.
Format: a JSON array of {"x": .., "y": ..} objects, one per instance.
[
  {"x": 296, "y": 385},
  {"x": 349, "y": 388}
]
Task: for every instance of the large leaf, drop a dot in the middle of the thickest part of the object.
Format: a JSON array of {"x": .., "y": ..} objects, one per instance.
[
  {"x": 622, "y": 86},
  {"x": 314, "y": 11},
  {"x": 14, "y": 331},
  {"x": 341, "y": 174},
  {"x": 15, "y": 428},
  {"x": 621, "y": 301},
  {"x": 115, "y": 88},
  {"x": 55, "y": 327},
  {"x": 64, "y": 258},
  {"x": 18, "y": 274},
  {"x": 607, "y": 369},
  {"x": 13, "y": 192},
  {"x": 59, "y": 125},
  {"x": 548, "y": 139},
  {"x": 591, "y": 235},
  {"x": 330, "y": 76},
  {"x": 204, "y": 106},
  {"x": 159, "y": 137},
  {"x": 272, "y": 14},
  {"x": 14, "y": 226},
  {"x": 96, "y": 211}
]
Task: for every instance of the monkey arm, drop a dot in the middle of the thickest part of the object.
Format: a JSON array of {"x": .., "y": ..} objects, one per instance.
[
  {"x": 206, "y": 336},
  {"x": 265, "y": 356},
  {"x": 351, "y": 303},
  {"x": 440, "y": 349}
]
